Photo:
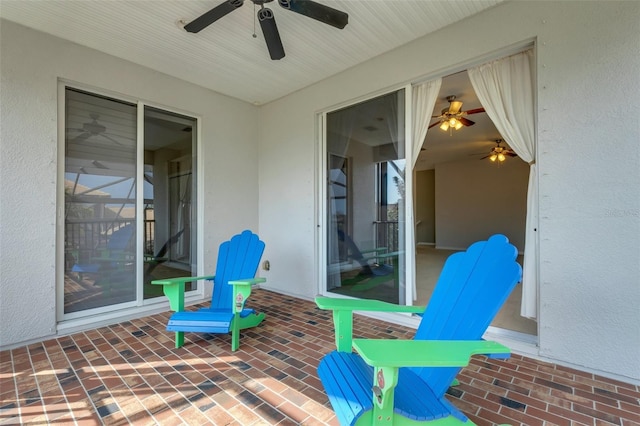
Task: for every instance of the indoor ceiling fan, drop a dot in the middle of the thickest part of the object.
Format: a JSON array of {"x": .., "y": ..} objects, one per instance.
[
  {"x": 93, "y": 128},
  {"x": 453, "y": 117},
  {"x": 317, "y": 11},
  {"x": 499, "y": 153}
]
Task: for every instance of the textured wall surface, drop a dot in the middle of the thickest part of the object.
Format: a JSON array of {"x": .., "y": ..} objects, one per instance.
[
  {"x": 588, "y": 164},
  {"x": 588, "y": 62},
  {"x": 31, "y": 65}
]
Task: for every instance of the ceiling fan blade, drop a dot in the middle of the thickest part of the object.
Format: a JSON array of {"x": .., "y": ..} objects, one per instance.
[
  {"x": 434, "y": 124},
  {"x": 325, "y": 14},
  {"x": 474, "y": 111},
  {"x": 486, "y": 156},
  {"x": 271, "y": 34},
  {"x": 82, "y": 137},
  {"x": 117, "y": 136},
  {"x": 510, "y": 154},
  {"x": 466, "y": 121},
  {"x": 111, "y": 139},
  {"x": 213, "y": 15}
]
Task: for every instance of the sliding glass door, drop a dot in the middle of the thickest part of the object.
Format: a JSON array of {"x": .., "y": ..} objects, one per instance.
[
  {"x": 129, "y": 213},
  {"x": 365, "y": 193},
  {"x": 169, "y": 198}
]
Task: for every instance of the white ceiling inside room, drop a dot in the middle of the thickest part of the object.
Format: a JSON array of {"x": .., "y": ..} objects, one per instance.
[{"x": 472, "y": 142}]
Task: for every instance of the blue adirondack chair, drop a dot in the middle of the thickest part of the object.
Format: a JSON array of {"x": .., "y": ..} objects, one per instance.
[
  {"x": 113, "y": 256},
  {"x": 237, "y": 264},
  {"x": 403, "y": 382}
]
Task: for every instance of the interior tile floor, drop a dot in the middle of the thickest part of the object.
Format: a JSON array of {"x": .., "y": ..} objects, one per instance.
[{"x": 130, "y": 373}]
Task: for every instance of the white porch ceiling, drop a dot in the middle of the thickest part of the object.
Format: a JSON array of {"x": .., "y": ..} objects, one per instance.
[{"x": 225, "y": 57}]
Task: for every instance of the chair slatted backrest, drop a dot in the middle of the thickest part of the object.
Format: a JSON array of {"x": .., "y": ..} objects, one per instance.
[
  {"x": 120, "y": 239},
  {"x": 238, "y": 258},
  {"x": 472, "y": 288}
]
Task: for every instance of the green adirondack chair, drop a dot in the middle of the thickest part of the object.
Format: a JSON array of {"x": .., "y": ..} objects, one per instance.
[
  {"x": 238, "y": 261},
  {"x": 403, "y": 382}
]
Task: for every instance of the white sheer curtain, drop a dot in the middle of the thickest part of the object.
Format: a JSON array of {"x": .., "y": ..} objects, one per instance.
[
  {"x": 505, "y": 90},
  {"x": 423, "y": 100}
]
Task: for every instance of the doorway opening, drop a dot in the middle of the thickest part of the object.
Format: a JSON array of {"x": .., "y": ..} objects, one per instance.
[{"x": 463, "y": 196}]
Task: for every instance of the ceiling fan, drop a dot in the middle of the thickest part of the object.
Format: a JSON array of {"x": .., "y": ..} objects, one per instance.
[
  {"x": 93, "y": 128},
  {"x": 317, "y": 11},
  {"x": 453, "y": 117},
  {"x": 499, "y": 153}
]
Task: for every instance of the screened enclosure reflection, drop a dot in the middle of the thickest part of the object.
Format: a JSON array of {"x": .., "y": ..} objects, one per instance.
[
  {"x": 100, "y": 189},
  {"x": 110, "y": 253}
]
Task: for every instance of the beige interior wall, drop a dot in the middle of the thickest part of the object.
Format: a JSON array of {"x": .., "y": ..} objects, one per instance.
[
  {"x": 475, "y": 199},
  {"x": 425, "y": 212}
]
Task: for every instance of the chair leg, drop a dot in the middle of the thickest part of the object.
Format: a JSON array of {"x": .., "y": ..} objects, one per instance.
[
  {"x": 240, "y": 323},
  {"x": 235, "y": 333},
  {"x": 179, "y": 339},
  {"x": 250, "y": 321}
]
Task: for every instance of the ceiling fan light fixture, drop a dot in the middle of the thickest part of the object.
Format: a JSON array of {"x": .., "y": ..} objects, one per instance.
[
  {"x": 445, "y": 125},
  {"x": 455, "y": 107},
  {"x": 501, "y": 157},
  {"x": 458, "y": 125},
  {"x": 493, "y": 157}
]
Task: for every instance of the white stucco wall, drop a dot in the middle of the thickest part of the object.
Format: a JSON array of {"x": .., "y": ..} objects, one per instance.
[
  {"x": 588, "y": 63},
  {"x": 31, "y": 64}
]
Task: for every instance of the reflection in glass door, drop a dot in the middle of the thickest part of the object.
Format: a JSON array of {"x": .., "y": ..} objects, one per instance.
[
  {"x": 100, "y": 214},
  {"x": 170, "y": 188},
  {"x": 365, "y": 199},
  {"x": 110, "y": 254}
]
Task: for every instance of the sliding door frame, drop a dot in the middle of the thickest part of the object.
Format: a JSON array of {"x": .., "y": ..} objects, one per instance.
[
  {"x": 322, "y": 196},
  {"x": 139, "y": 305}
]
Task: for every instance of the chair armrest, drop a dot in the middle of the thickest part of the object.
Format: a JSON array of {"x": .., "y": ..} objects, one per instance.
[
  {"x": 251, "y": 281},
  {"x": 334, "y": 304},
  {"x": 173, "y": 288},
  {"x": 425, "y": 353},
  {"x": 387, "y": 356},
  {"x": 343, "y": 315},
  {"x": 389, "y": 255},
  {"x": 371, "y": 254},
  {"x": 242, "y": 291}
]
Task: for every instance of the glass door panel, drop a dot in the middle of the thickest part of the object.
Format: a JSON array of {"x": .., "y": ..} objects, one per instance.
[
  {"x": 100, "y": 204},
  {"x": 365, "y": 199},
  {"x": 169, "y": 198}
]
